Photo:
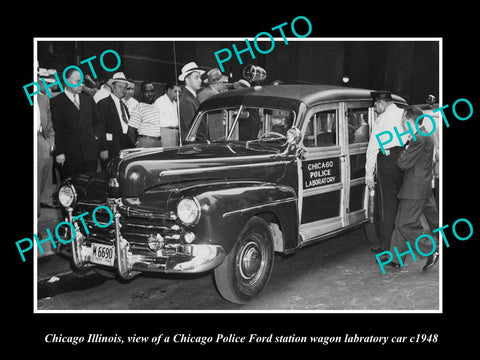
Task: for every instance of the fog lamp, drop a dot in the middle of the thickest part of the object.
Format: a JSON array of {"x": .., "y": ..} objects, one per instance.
[{"x": 189, "y": 237}]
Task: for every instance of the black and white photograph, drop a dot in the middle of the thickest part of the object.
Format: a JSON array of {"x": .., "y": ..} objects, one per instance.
[
  {"x": 225, "y": 179},
  {"x": 186, "y": 187}
]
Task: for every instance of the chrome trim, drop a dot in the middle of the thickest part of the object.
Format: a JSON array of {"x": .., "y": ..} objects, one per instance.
[
  {"x": 143, "y": 226},
  {"x": 273, "y": 203},
  {"x": 77, "y": 244},
  {"x": 122, "y": 250},
  {"x": 217, "y": 168},
  {"x": 199, "y": 258}
]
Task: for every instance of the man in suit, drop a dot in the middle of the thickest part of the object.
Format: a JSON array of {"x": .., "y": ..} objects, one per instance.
[
  {"x": 188, "y": 101},
  {"x": 45, "y": 141},
  {"x": 78, "y": 129},
  {"x": 114, "y": 114},
  {"x": 416, "y": 163},
  {"x": 217, "y": 83}
]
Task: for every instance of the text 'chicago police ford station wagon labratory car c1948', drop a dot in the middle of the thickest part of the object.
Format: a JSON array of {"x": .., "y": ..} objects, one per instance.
[{"x": 262, "y": 170}]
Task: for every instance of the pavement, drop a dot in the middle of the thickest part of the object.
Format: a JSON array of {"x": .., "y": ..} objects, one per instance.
[
  {"x": 50, "y": 263},
  {"x": 331, "y": 264}
]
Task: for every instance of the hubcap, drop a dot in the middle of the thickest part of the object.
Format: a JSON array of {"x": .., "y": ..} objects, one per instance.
[{"x": 250, "y": 260}]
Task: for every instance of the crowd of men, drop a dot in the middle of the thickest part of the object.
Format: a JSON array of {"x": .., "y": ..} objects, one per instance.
[
  {"x": 404, "y": 176},
  {"x": 82, "y": 128}
]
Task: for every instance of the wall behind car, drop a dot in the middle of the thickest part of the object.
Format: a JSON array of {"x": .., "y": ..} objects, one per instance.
[{"x": 408, "y": 68}]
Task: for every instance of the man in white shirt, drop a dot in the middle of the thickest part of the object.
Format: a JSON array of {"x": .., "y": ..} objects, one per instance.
[
  {"x": 144, "y": 124},
  {"x": 389, "y": 176},
  {"x": 167, "y": 105},
  {"x": 129, "y": 100}
]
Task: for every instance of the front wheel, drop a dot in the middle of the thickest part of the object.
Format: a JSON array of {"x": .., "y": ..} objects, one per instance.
[{"x": 246, "y": 270}]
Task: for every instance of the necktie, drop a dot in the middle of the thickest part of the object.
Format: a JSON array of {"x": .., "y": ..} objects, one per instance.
[
  {"x": 76, "y": 102},
  {"x": 124, "y": 112}
]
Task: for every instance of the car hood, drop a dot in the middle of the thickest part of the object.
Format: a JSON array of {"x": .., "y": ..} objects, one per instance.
[{"x": 136, "y": 170}]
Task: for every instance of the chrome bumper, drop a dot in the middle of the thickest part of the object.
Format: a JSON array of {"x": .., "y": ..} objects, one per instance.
[{"x": 188, "y": 258}]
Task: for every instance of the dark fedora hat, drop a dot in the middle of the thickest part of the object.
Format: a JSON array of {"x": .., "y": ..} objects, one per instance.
[{"x": 381, "y": 95}]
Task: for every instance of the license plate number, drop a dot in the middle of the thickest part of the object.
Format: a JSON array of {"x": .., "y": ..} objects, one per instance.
[{"x": 103, "y": 254}]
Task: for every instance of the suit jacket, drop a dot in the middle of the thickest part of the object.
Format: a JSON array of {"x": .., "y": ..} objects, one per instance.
[
  {"x": 206, "y": 93},
  {"x": 116, "y": 140},
  {"x": 188, "y": 104},
  {"x": 79, "y": 134},
  {"x": 46, "y": 137},
  {"x": 416, "y": 160}
]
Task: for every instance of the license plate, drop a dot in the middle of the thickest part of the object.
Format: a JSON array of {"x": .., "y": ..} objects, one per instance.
[{"x": 103, "y": 254}]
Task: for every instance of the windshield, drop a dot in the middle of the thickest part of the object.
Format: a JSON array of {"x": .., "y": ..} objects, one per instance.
[{"x": 242, "y": 123}]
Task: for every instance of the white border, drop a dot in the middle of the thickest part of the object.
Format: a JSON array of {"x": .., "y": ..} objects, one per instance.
[{"x": 316, "y": 39}]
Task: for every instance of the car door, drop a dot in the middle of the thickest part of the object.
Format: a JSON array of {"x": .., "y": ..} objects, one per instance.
[
  {"x": 322, "y": 172},
  {"x": 358, "y": 118}
]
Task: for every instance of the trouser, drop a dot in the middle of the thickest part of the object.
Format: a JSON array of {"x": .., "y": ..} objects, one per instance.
[
  {"x": 44, "y": 168},
  {"x": 389, "y": 182},
  {"x": 408, "y": 228},
  {"x": 430, "y": 212},
  {"x": 169, "y": 136},
  {"x": 148, "y": 142}
]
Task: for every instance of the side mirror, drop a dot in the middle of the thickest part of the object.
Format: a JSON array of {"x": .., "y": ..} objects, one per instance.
[{"x": 293, "y": 136}]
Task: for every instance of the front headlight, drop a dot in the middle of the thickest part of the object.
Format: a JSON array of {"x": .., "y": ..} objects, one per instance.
[
  {"x": 67, "y": 195},
  {"x": 188, "y": 211}
]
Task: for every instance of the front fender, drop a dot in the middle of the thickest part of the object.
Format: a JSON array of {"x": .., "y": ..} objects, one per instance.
[{"x": 226, "y": 208}]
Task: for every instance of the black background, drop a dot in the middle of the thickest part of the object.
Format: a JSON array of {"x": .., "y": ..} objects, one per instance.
[{"x": 456, "y": 327}]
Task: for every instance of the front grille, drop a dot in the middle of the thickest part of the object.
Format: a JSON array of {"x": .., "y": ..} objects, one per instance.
[
  {"x": 104, "y": 235},
  {"x": 135, "y": 226}
]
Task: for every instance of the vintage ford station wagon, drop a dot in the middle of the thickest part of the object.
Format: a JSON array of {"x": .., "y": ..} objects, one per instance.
[{"x": 262, "y": 170}]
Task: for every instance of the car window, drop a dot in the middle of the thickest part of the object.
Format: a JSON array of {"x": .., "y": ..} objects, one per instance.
[
  {"x": 242, "y": 124},
  {"x": 322, "y": 129},
  {"x": 357, "y": 125}
]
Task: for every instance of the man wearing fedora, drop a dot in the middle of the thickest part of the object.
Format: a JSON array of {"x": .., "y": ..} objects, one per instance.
[
  {"x": 79, "y": 132},
  {"x": 389, "y": 175},
  {"x": 188, "y": 101},
  {"x": 115, "y": 115},
  {"x": 217, "y": 83}
]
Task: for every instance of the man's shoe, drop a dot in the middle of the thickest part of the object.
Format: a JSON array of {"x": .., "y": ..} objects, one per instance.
[
  {"x": 394, "y": 264},
  {"x": 431, "y": 260},
  {"x": 376, "y": 250}
]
